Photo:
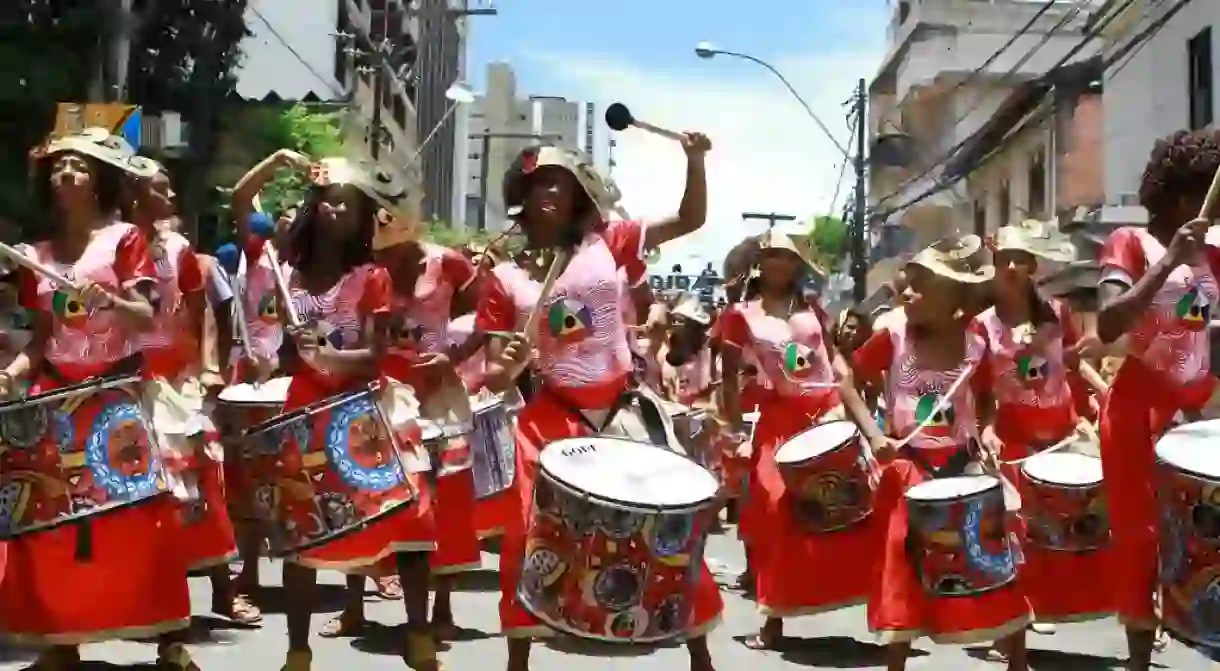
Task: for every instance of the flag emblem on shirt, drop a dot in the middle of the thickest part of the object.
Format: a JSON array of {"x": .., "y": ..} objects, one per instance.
[
  {"x": 935, "y": 420},
  {"x": 796, "y": 361},
  {"x": 68, "y": 307},
  {"x": 267, "y": 311},
  {"x": 569, "y": 321},
  {"x": 1194, "y": 310},
  {"x": 1032, "y": 369}
]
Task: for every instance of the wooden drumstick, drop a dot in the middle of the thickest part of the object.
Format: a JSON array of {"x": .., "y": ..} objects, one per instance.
[
  {"x": 1209, "y": 202},
  {"x": 20, "y": 259},
  {"x": 1094, "y": 379},
  {"x": 282, "y": 285},
  {"x": 558, "y": 265},
  {"x": 618, "y": 117},
  {"x": 945, "y": 400}
]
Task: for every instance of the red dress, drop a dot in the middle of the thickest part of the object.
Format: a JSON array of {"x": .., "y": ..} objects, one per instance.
[
  {"x": 172, "y": 351},
  {"x": 421, "y": 323},
  {"x": 1035, "y": 409},
  {"x": 134, "y": 583},
  {"x": 899, "y": 608},
  {"x": 1167, "y": 369},
  {"x": 790, "y": 561},
  {"x": 584, "y": 363},
  {"x": 346, "y": 309}
]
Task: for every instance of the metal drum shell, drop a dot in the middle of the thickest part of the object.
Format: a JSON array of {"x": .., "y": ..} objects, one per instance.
[
  {"x": 939, "y": 540},
  {"x": 814, "y": 484}
]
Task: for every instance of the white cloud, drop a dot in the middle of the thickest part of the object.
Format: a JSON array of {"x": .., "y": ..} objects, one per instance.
[{"x": 768, "y": 154}]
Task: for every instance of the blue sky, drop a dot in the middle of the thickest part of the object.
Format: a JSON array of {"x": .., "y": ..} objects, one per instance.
[{"x": 768, "y": 155}]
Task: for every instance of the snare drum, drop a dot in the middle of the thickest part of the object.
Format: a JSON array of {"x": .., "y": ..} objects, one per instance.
[
  {"x": 494, "y": 448},
  {"x": 74, "y": 452},
  {"x": 616, "y": 539},
  {"x": 325, "y": 470},
  {"x": 1188, "y": 491},
  {"x": 828, "y": 475},
  {"x": 1064, "y": 504},
  {"x": 959, "y": 538}
]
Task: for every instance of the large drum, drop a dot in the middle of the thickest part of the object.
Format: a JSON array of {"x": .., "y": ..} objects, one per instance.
[
  {"x": 616, "y": 539},
  {"x": 1063, "y": 502},
  {"x": 958, "y": 535},
  {"x": 1188, "y": 490},
  {"x": 75, "y": 452},
  {"x": 325, "y": 470},
  {"x": 493, "y": 447},
  {"x": 240, "y": 407},
  {"x": 828, "y": 475}
]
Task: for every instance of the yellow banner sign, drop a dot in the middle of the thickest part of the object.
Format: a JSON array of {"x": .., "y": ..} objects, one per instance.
[{"x": 75, "y": 117}]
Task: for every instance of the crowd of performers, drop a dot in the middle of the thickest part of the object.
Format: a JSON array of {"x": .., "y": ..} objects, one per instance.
[{"x": 328, "y": 389}]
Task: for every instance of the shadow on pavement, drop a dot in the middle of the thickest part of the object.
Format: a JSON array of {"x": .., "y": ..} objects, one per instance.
[
  {"x": 1057, "y": 660},
  {"x": 479, "y": 580},
  {"x": 831, "y": 652},
  {"x": 379, "y": 639},
  {"x": 328, "y": 598},
  {"x": 10, "y": 653},
  {"x": 588, "y": 648}
]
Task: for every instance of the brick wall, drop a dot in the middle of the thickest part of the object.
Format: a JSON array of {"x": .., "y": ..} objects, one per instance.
[{"x": 1081, "y": 165}]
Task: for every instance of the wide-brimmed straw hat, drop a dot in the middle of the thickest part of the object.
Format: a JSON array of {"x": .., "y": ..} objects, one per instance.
[
  {"x": 1039, "y": 238},
  {"x": 961, "y": 259},
  {"x": 689, "y": 307},
  {"x": 101, "y": 145},
  {"x": 777, "y": 241},
  {"x": 604, "y": 195},
  {"x": 395, "y": 225}
]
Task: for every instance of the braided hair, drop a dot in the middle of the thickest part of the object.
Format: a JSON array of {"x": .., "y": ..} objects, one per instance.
[{"x": 1183, "y": 163}]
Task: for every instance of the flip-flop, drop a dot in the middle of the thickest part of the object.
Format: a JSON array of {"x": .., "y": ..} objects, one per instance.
[
  {"x": 389, "y": 588},
  {"x": 343, "y": 627},
  {"x": 241, "y": 610}
]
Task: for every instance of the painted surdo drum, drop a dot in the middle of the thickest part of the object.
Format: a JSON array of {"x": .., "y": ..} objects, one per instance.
[
  {"x": 1063, "y": 502},
  {"x": 828, "y": 475}
]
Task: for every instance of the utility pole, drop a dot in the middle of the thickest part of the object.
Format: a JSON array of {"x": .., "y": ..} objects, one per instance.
[
  {"x": 485, "y": 166},
  {"x": 859, "y": 234},
  {"x": 770, "y": 217},
  {"x": 378, "y": 82}
]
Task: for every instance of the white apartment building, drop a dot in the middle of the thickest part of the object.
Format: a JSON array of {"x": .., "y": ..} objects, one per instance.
[
  {"x": 1165, "y": 85},
  {"x": 934, "y": 93},
  {"x": 498, "y": 111}
]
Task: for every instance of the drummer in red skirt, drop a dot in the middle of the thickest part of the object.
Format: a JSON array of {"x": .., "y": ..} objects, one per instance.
[
  {"x": 346, "y": 302},
  {"x": 1031, "y": 346},
  {"x": 785, "y": 336},
  {"x": 1158, "y": 287},
  {"x": 173, "y": 358},
  {"x": 583, "y": 362},
  {"x": 921, "y": 361},
  {"x": 125, "y": 579}
]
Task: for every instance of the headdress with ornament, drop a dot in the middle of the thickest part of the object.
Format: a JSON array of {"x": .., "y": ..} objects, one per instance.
[
  {"x": 962, "y": 259},
  {"x": 395, "y": 225},
  {"x": 532, "y": 159},
  {"x": 774, "y": 241},
  {"x": 689, "y": 307},
  {"x": 1039, "y": 238},
  {"x": 100, "y": 145}
]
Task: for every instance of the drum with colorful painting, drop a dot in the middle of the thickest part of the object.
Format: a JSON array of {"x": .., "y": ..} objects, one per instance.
[
  {"x": 75, "y": 452},
  {"x": 325, "y": 470},
  {"x": 1063, "y": 502},
  {"x": 736, "y": 468},
  {"x": 829, "y": 478},
  {"x": 616, "y": 538},
  {"x": 958, "y": 536},
  {"x": 494, "y": 450},
  {"x": 1188, "y": 492},
  {"x": 239, "y": 407}
]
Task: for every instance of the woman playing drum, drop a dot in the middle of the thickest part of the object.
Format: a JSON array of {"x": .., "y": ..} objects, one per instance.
[
  {"x": 117, "y": 575},
  {"x": 929, "y": 363},
  {"x": 1158, "y": 288},
  {"x": 345, "y": 302},
  {"x": 787, "y": 340},
  {"x": 582, "y": 358},
  {"x": 1031, "y": 346}
]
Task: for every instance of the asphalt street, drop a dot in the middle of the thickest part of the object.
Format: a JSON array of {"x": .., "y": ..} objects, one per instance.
[{"x": 833, "y": 641}]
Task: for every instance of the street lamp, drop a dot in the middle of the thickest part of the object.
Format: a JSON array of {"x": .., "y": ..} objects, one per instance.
[
  {"x": 458, "y": 94},
  {"x": 706, "y": 51}
]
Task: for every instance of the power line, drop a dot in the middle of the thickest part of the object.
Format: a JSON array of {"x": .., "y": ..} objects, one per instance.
[
  {"x": 851, "y": 130},
  {"x": 280, "y": 38},
  {"x": 981, "y": 100},
  {"x": 1154, "y": 28}
]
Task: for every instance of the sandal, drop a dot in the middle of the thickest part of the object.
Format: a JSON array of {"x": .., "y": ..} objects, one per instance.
[
  {"x": 1161, "y": 641},
  {"x": 240, "y": 610},
  {"x": 389, "y": 588},
  {"x": 994, "y": 655},
  {"x": 763, "y": 640},
  {"x": 298, "y": 660},
  {"x": 421, "y": 651},
  {"x": 344, "y": 626}
]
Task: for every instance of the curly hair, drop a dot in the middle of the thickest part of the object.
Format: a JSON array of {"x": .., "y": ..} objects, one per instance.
[
  {"x": 1184, "y": 162},
  {"x": 356, "y": 250},
  {"x": 516, "y": 187}
]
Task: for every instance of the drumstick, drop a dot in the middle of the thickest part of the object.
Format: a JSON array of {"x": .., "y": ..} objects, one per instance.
[
  {"x": 231, "y": 266},
  {"x": 1083, "y": 427},
  {"x": 1209, "y": 202},
  {"x": 1092, "y": 377},
  {"x": 282, "y": 285},
  {"x": 944, "y": 402},
  {"x": 558, "y": 265},
  {"x": 20, "y": 259}
]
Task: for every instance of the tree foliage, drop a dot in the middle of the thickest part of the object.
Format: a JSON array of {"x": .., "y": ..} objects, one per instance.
[
  {"x": 308, "y": 131},
  {"x": 440, "y": 233},
  {"x": 828, "y": 240}
]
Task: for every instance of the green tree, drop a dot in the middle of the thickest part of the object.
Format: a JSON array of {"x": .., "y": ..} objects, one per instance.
[
  {"x": 827, "y": 240},
  {"x": 305, "y": 129},
  {"x": 440, "y": 233}
]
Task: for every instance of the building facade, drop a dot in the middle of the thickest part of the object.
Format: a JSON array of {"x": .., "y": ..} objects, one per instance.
[
  {"x": 939, "y": 85},
  {"x": 501, "y": 124}
]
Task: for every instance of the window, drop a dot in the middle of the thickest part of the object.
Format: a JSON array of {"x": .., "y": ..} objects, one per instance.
[
  {"x": 980, "y": 218},
  {"x": 1199, "y": 56},
  {"x": 1005, "y": 204},
  {"x": 1037, "y": 185}
]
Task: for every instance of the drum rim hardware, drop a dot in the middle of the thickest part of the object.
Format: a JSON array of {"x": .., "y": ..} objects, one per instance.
[
  {"x": 92, "y": 385},
  {"x": 314, "y": 408}
]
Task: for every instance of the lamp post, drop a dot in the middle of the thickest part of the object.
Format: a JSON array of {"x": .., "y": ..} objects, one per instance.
[{"x": 458, "y": 94}]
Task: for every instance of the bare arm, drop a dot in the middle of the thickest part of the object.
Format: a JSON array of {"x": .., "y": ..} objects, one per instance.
[
  {"x": 857, "y": 408},
  {"x": 692, "y": 212},
  {"x": 249, "y": 186},
  {"x": 1122, "y": 305},
  {"x": 730, "y": 386}
]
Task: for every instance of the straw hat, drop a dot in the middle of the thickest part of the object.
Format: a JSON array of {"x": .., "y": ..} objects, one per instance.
[
  {"x": 394, "y": 225},
  {"x": 603, "y": 194},
  {"x": 774, "y": 240},
  {"x": 691, "y": 308},
  {"x": 961, "y": 259},
  {"x": 1039, "y": 238},
  {"x": 101, "y": 145}
]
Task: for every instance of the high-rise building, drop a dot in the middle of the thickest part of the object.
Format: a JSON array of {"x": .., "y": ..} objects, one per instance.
[
  {"x": 499, "y": 112},
  {"x": 441, "y": 63}
]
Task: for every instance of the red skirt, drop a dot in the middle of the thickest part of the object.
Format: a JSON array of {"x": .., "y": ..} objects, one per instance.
[
  {"x": 541, "y": 421},
  {"x": 491, "y": 514},
  {"x": 410, "y": 529},
  {"x": 792, "y": 563},
  {"x": 207, "y": 538},
  {"x": 457, "y": 543},
  {"x": 899, "y": 609}
]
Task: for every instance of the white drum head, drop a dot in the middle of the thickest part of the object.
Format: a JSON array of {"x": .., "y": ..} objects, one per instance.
[
  {"x": 1192, "y": 448},
  {"x": 274, "y": 391},
  {"x": 945, "y": 489},
  {"x": 815, "y": 442},
  {"x": 1063, "y": 468},
  {"x": 624, "y": 471}
]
